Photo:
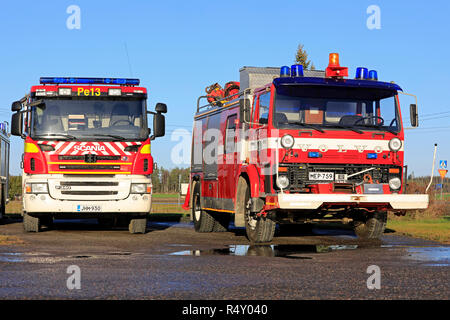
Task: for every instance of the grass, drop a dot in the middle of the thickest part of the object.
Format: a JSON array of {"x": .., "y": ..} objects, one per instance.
[
  {"x": 14, "y": 207},
  {"x": 437, "y": 229}
]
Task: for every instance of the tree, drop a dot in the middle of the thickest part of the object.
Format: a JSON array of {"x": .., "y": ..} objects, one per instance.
[
  {"x": 301, "y": 57},
  {"x": 15, "y": 186}
]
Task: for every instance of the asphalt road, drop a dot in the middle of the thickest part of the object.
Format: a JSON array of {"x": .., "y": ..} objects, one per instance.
[{"x": 171, "y": 261}]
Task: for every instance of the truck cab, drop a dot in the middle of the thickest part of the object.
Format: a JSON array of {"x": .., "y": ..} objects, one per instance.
[{"x": 86, "y": 150}]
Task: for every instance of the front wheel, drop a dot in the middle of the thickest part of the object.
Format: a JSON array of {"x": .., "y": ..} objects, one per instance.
[
  {"x": 372, "y": 227},
  {"x": 259, "y": 229},
  {"x": 137, "y": 225},
  {"x": 31, "y": 224}
]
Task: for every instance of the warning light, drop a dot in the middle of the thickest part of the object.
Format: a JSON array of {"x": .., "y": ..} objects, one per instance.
[
  {"x": 297, "y": 70},
  {"x": 373, "y": 75},
  {"x": 334, "y": 70},
  {"x": 285, "y": 72},
  {"x": 361, "y": 73}
]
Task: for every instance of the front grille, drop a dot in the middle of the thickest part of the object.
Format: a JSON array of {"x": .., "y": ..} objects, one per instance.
[
  {"x": 89, "y": 193},
  {"x": 299, "y": 173},
  {"x": 109, "y": 158},
  {"x": 88, "y": 167},
  {"x": 89, "y": 184}
]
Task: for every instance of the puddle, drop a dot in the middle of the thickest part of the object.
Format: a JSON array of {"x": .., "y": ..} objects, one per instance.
[
  {"x": 284, "y": 251},
  {"x": 436, "y": 256},
  {"x": 11, "y": 257}
]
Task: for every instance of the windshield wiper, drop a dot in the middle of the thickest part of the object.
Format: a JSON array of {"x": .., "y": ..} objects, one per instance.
[
  {"x": 337, "y": 125},
  {"x": 65, "y": 135},
  {"x": 111, "y": 136},
  {"x": 307, "y": 125}
]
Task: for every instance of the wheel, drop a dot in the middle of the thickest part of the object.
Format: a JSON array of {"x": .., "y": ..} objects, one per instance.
[
  {"x": 258, "y": 229},
  {"x": 373, "y": 226},
  {"x": 221, "y": 223},
  {"x": 137, "y": 225},
  {"x": 31, "y": 224},
  {"x": 203, "y": 221}
]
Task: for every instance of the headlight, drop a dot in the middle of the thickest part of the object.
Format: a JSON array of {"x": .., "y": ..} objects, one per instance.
[
  {"x": 287, "y": 141},
  {"x": 283, "y": 181},
  {"x": 141, "y": 188},
  {"x": 36, "y": 188},
  {"x": 395, "y": 144},
  {"x": 395, "y": 183}
]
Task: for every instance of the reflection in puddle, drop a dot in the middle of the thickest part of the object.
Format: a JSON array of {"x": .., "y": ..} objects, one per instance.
[
  {"x": 11, "y": 257},
  {"x": 285, "y": 251},
  {"x": 437, "y": 256}
]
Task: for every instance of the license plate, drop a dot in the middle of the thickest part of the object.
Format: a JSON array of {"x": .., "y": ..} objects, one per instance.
[
  {"x": 89, "y": 208},
  {"x": 321, "y": 176}
]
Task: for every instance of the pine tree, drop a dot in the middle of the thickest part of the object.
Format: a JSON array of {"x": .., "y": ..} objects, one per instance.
[{"x": 301, "y": 57}]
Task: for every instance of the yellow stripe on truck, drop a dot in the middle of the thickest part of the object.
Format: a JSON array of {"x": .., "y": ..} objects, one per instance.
[{"x": 31, "y": 148}]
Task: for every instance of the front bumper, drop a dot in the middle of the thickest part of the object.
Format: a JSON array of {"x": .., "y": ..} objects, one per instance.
[
  {"x": 41, "y": 203},
  {"x": 314, "y": 201}
]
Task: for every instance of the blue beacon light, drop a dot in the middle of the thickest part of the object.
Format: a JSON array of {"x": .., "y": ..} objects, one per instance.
[
  {"x": 297, "y": 70},
  {"x": 372, "y": 156},
  {"x": 285, "y": 72},
  {"x": 67, "y": 80},
  {"x": 373, "y": 75},
  {"x": 361, "y": 73}
]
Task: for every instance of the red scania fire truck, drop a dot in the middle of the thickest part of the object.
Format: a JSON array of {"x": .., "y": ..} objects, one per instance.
[
  {"x": 87, "y": 151},
  {"x": 300, "y": 146}
]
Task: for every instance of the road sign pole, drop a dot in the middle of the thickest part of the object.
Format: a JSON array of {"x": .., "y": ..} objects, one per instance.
[{"x": 432, "y": 168}]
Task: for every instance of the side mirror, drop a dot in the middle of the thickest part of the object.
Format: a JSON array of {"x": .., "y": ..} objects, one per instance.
[
  {"x": 244, "y": 110},
  {"x": 16, "y": 124},
  {"x": 159, "y": 125},
  {"x": 414, "y": 116},
  {"x": 161, "y": 107},
  {"x": 16, "y": 106}
]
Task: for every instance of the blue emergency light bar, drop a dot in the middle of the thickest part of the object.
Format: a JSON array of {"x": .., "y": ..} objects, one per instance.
[{"x": 63, "y": 80}]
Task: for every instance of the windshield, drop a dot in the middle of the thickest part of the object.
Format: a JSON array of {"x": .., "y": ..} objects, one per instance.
[
  {"x": 100, "y": 119},
  {"x": 357, "y": 109}
]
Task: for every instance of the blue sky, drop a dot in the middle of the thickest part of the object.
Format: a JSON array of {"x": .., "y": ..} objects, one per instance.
[{"x": 178, "y": 48}]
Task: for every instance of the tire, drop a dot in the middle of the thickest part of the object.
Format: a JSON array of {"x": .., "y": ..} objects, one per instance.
[
  {"x": 221, "y": 223},
  {"x": 203, "y": 221},
  {"x": 31, "y": 224},
  {"x": 138, "y": 225},
  {"x": 258, "y": 229},
  {"x": 373, "y": 227}
]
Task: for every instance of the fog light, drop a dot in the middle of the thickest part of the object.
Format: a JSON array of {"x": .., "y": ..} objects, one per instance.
[
  {"x": 283, "y": 181},
  {"x": 395, "y": 183}
]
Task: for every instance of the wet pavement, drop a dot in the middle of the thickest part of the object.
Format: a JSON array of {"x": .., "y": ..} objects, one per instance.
[{"x": 171, "y": 261}]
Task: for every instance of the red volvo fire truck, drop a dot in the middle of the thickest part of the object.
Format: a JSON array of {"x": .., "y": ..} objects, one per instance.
[
  {"x": 87, "y": 151},
  {"x": 300, "y": 146}
]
